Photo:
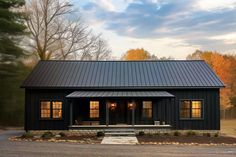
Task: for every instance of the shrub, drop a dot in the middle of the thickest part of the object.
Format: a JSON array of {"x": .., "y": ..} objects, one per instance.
[
  {"x": 141, "y": 133},
  {"x": 207, "y": 134},
  {"x": 47, "y": 135},
  {"x": 100, "y": 134},
  {"x": 157, "y": 134},
  {"x": 27, "y": 135},
  {"x": 191, "y": 133},
  {"x": 216, "y": 135},
  {"x": 166, "y": 134},
  {"x": 177, "y": 133},
  {"x": 62, "y": 134}
]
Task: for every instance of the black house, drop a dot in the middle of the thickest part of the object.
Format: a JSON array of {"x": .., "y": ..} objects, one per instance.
[{"x": 62, "y": 95}]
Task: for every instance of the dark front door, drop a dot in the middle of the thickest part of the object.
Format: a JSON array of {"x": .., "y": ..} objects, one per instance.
[{"x": 119, "y": 114}]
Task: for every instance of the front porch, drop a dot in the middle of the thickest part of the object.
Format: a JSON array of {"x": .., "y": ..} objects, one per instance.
[{"x": 138, "y": 110}]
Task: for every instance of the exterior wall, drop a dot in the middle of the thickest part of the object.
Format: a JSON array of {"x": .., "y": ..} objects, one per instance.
[
  {"x": 164, "y": 109},
  {"x": 211, "y": 117}
]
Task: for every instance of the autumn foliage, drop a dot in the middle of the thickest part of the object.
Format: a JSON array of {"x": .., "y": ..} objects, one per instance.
[
  {"x": 225, "y": 67},
  {"x": 138, "y": 54}
]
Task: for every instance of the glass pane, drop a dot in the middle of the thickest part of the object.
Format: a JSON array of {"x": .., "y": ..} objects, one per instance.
[
  {"x": 147, "y": 104},
  {"x": 45, "y": 109},
  {"x": 57, "y": 105},
  {"x": 196, "y": 104},
  {"x": 57, "y": 113},
  {"x": 94, "y": 109},
  {"x": 185, "y": 109},
  {"x": 57, "y": 109},
  {"x": 196, "y": 109},
  {"x": 147, "y": 109}
]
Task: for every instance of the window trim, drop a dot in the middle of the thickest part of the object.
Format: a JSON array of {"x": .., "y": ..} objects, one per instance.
[
  {"x": 202, "y": 113},
  {"x": 96, "y": 118},
  {"x": 146, "y": 118},
  {"x": 51, "y": 109}
]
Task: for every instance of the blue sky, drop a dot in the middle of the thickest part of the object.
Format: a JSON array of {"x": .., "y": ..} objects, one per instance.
[{"x": 163, "y": 27}]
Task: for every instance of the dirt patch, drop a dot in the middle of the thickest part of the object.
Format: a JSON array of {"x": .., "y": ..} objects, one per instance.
[
  {"x": 84, "y": 139},
  {"x": 187, "y": 139}
]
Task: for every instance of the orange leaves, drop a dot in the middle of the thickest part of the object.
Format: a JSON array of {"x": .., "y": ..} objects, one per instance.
[
  {"x": 137, "y": 54},
  {"x": 225, "y": 67}
]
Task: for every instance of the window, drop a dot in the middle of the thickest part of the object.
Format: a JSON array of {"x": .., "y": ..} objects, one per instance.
[
  {"x": 51, "y": 109},
  {"x": 94, "y": 109},
  {"x": 191, "y": 109},
  {"x": 185, "y": 109},
  {"x": 45, "y": 109},
  {"x": 196, "y": 109},
  {"x": 56, "y": 109},
  {"x": 147, "y": 109}
]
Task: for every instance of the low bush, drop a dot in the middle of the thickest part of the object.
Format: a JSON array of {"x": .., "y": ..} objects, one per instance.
[
  {"x": 62, "y": 134},
  {"x": 100, "y": 134},
  {"x": 141, "y": 133},
  {"x": 47, "y": 135},
  {"x": 191, "y": 133},
  {"x": 166, "y": 134},
  {"x": 27, "y": 135},
  {"x": 207, "y": 134},
  {"x": 177, "y": 133},
  {"x": 216, "y": 135}
]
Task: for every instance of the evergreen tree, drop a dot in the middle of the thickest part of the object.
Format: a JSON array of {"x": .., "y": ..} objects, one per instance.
[{"x": 12, "y": 71}]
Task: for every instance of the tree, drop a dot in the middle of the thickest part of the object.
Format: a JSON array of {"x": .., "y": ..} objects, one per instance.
[
  {"x": 225, "y": 68},
  {"x": 11, "y": 29},
  {"x": 12, "y": 71},
  {"x": 55, "y": 33},
  {"x": 137, "y": 54}
]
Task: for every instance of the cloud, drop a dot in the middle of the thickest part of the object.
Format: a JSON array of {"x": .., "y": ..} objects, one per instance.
[{"x": 193, "y": 23}]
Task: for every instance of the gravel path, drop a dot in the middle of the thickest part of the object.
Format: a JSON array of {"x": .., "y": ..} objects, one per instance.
[{"x": 35, "y": 149}]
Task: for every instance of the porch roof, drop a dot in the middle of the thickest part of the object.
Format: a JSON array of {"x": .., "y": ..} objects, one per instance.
[{"x": 86, "y": 94}]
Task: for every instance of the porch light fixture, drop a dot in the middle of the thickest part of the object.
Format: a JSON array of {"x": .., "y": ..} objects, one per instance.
[
  {"x": 130, "y": 106},
  {"x": 112, "y": 106}
]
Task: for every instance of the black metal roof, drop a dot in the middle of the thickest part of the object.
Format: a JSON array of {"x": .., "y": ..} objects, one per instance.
[
  {"x": 89, "y": 94},
  {"x": 123, "y": 74}
]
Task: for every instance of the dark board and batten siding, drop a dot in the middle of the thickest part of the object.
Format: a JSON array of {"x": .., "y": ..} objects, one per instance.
[{"x": 164, "y": 109}]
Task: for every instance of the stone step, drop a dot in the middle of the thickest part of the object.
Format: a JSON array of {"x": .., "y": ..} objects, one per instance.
[
  {"x": 119, "y": 134},
  {"x": 119, "y": 130}
]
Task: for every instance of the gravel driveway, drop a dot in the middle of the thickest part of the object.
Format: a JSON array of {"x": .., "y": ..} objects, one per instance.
[{"x": 31, "y": 149}]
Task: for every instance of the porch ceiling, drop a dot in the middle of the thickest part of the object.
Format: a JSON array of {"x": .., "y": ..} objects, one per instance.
[{"x": 86, "y": 94}]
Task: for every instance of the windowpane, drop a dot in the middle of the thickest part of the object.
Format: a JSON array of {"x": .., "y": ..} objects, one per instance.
[
  {"x": 94, "y": 109},
  {"x": 196, "y": 109},
  {"x": 185, "y": 109},
  {"x": 147, "y": 109},
  {"x": 45, "y": 109},
  {"x": 57, "y": 109}
]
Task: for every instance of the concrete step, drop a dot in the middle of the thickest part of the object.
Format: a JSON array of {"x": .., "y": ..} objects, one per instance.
[{"x": 119, "y": 132}]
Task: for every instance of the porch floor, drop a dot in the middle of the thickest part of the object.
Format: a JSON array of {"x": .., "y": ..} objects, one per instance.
[{"x": 75, "y": 127}]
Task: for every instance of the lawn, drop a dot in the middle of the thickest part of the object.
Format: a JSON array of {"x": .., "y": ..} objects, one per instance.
[{"x": 228, "y": 127}]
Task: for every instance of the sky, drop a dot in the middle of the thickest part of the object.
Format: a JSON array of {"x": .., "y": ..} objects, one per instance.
[{"x": 163, "y": 27}]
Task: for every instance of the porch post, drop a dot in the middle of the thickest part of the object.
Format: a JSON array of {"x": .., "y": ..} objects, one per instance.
[
  {"x": 107, "y": 113},
  {"x": 71, "y": 113},
  {"x": 133, "y": 109}
]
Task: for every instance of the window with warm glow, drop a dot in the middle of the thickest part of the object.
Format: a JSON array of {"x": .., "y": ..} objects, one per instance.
[
  {"x": 45, "y": 107},
  {"x": 147, "y": 109},
  {"x": 94, "y": 109},
  {"x": 196, "y": 109},
  {"x": 191, "y": 109},
  {"x": 56, "y": 109},
  {"x": 185, "y": 109}
]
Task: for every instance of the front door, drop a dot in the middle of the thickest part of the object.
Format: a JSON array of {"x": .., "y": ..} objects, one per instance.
[{"x": 118, "y": 115}]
